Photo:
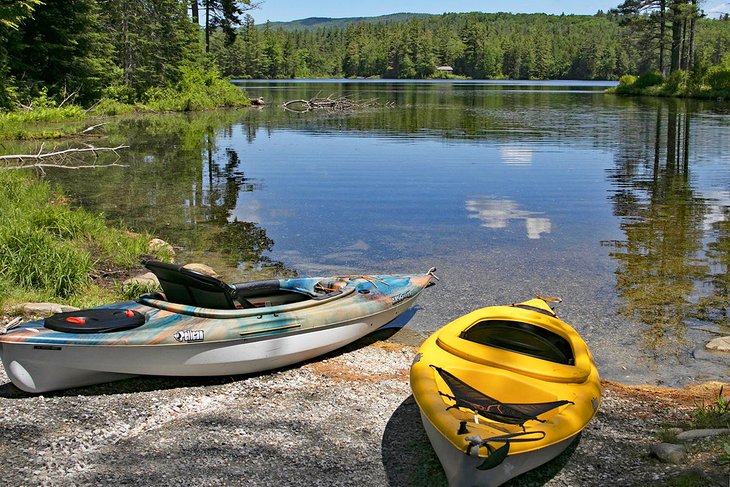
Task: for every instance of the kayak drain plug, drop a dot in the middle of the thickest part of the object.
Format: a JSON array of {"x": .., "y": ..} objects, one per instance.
[{"x": 462, "y": 428}]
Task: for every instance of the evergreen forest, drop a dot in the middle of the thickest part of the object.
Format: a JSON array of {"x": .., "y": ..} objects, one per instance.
[
  {"x": 176, "y": 54},
  {"x": 631, "y": 39}
]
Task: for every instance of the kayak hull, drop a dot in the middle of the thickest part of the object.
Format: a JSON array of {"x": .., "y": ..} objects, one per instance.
[
  {"x": 461, "y": 469},
  {"x": 53, "y": 361}
]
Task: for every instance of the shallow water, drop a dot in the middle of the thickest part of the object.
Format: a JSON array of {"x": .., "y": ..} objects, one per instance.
[{"x": 621, "y": 206}]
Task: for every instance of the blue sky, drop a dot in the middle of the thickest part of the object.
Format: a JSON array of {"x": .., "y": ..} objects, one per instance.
[{"x": 284, "y": 10}]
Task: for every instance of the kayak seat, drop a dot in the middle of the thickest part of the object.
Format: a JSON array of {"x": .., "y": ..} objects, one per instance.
[{"x": 185, "y": 286}]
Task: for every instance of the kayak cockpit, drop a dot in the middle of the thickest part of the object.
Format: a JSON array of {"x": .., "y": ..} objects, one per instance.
[
  {"x": 523, "y": 338},
  {"x": 187, "y": 287},
  {"x": 185, "y": 291}
]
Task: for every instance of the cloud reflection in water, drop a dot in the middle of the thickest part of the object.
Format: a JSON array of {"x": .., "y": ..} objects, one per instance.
[{"x": 496, "y": 213}]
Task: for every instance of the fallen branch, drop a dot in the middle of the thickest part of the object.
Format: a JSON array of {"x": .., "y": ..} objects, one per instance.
[
  {"x": 65, "y": 159},
  {"x": 330, "y": 104}
]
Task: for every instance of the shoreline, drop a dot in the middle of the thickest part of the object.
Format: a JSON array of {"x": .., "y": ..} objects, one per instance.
[{"x": 346, "y": 419}]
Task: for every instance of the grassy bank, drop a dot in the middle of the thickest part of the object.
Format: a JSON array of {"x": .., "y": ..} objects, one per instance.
[
  {"x": 712, "y": 83},
  {"x": 197, "y": 90},
  {"x": 50, "y": 251}
]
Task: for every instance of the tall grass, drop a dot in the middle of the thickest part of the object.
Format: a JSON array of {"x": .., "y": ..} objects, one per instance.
[{"x": 49, "y": 249}]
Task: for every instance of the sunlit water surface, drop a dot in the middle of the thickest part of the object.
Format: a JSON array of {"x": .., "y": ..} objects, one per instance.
[{"x": 619, "y": 206}]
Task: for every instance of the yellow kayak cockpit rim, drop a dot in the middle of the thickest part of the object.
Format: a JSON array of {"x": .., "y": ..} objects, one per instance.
[{"x": 519, "y": 339}]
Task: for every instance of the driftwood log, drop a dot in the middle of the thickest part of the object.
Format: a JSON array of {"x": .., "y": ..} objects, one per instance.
[
  {"x": 330, "y": 104},
  {"x": 66, "y": 158}
]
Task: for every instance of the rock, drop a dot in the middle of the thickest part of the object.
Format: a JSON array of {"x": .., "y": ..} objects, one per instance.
[
  {"x": 147, "y": 280},
  {"x": 42, "y": 309},
  {"x": 721, "y": 344},
  {"x": 156, "y": 245},
  {"x": 669, "y": 453},
  {"x": 702, "y": 433},
  {"x": 202, "y": 269}
]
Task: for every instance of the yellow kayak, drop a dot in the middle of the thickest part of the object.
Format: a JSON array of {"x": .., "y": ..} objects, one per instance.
[{"x": 503, "y": 390}]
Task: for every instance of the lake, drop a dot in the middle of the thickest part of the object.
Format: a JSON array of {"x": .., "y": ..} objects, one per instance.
[{"x": 620, "y": 206}]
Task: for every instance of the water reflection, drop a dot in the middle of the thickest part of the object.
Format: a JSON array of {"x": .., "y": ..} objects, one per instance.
[
  {"x": 267, "y": 192},
  {"x": 496, "y": 213},
  {"x": 669, "y": 268},
  {"x": 182, "y": 187}
]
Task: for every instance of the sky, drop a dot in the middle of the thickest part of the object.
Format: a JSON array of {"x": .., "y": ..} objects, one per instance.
[{"x": 285, "y": 10}]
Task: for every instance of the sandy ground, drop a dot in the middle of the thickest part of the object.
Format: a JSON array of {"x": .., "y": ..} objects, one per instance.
[{"x": 348, "y": 419}]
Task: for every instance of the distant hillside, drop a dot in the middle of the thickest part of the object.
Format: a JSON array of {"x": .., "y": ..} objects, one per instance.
[{"x": 330, "y": 23}]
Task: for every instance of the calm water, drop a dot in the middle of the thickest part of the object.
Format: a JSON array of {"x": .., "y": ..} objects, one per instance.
[{"x": 620, "y": 206}]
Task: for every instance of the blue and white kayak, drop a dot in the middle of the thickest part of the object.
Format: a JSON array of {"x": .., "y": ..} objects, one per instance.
[{"x": 200, "y": 326}]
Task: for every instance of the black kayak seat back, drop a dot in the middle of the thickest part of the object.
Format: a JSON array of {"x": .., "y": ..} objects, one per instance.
[
  {"x": 185, "y": 286},
  {"x": 257, "y": 288}
]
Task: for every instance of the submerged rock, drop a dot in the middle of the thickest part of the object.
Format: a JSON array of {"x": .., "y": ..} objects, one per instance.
[
  {"x": 721, "y": 344},
  {"x": 669, "y": 452},
  {"x": 202, "y": 269}
]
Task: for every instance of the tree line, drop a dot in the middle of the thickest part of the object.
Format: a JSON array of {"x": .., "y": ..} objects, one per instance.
[
  {"x": 629, "y": 39},
  {"x": 137, "y": 51},
  {"x": 83, "y": 50}
]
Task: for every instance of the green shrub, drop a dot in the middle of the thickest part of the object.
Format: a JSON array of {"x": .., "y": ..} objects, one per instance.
[
  {"x": 648, "y": 79},
  {"x": 627, "y": 81},
  {"x": 718, "y": 78},
  {"x": 109, "y": 106},
  {"x": 197, "y": 90}
]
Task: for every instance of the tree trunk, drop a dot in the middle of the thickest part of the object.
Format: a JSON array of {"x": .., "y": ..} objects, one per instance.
[
  {"x": 684, "y": 50},
  {"x": 194, "y": 11},
  {"x": 207, "y": 26},
  {"x": 676, "y": 41},
  {"x": 692, "y": 28},
  {"x": 662, "y": 34}
]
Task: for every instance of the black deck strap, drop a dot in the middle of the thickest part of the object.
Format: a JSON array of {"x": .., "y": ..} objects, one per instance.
[
  {"x": 467, "y": 397},
  {"x": 188, "y": 287}
]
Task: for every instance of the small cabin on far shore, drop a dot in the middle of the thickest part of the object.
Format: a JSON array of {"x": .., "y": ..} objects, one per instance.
[{"x": 445, "y": 69}]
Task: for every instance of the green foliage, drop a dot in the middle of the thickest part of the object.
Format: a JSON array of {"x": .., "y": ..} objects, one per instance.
[
  {"x": 49, "y": 249},
  {"x": 627, "y": 81},
  {"x": 719, "y": 78},
  {"x": 110, "y": 106},
  {"x": 648, "y": 79},
  {"x": 13, "y": 13},
  {"x": 476, "y": 45},
  {"x": 134, "y": 289},
  {"x": 713, "y": 415},
  {"x": 196, "y": 90}
]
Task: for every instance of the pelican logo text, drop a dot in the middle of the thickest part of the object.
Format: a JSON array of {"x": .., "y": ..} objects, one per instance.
[
  {"x": 401, "y": 297},
  {"x": 189, "y": 336}
]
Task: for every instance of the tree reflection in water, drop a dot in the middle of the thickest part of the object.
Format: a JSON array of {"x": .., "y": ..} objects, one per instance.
[{"x": 666, "y": 274}]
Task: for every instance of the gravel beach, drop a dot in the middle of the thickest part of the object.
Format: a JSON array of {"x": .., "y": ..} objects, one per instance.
[{"x": 347, "y": 419}]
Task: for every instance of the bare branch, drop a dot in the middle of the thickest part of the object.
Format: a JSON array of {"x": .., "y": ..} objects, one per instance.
[
  {"x": 330, "y": 104},
  {"x": 45, "y": 155},
  {"x": 66, "y": 159},
  {"x": 89, "y": 129}
]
